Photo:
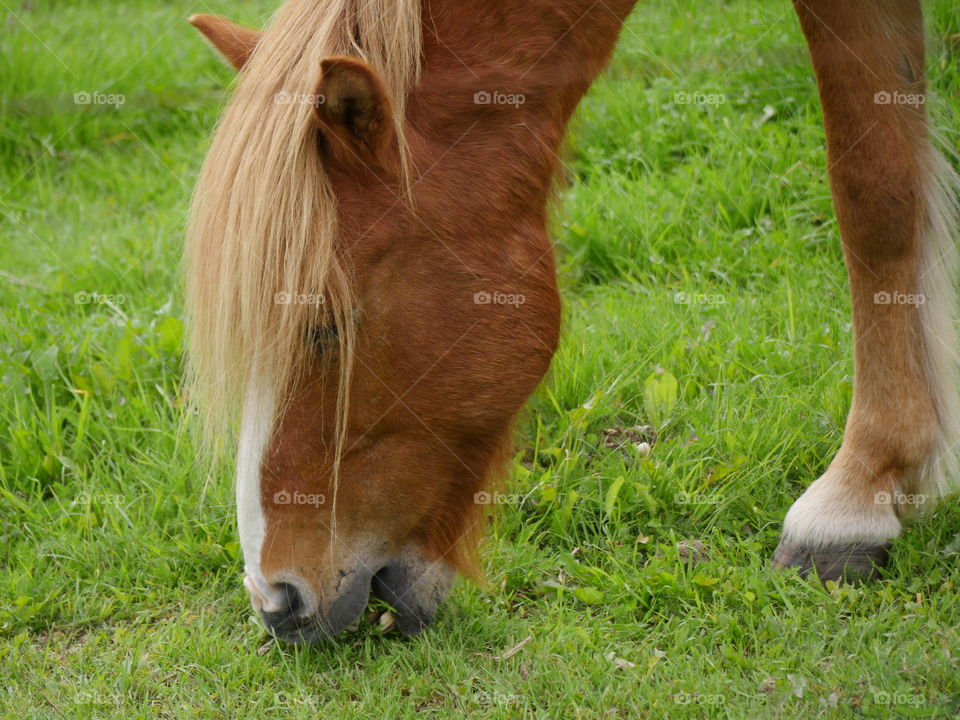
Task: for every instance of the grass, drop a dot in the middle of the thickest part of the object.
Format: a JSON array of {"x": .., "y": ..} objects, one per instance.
[{"x": 120, "y": 593}]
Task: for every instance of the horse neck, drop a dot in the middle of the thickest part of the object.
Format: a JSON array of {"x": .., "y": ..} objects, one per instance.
[{"x": 500, "y": 81}]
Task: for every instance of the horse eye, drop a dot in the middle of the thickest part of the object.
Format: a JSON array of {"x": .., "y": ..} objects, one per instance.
[{"x": 323, "y": 338}]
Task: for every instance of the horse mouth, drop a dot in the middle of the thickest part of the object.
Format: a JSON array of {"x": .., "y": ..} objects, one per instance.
[
  {"x": 414, "y": 588},
  {"x": 306, "y": 631},
  {"x": 411, "y": 585}
]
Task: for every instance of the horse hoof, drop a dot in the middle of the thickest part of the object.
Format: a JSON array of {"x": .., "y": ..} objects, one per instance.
[{"x": 851, "y": 562}]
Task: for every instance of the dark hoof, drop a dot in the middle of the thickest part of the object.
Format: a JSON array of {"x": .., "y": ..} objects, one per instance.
[{"x": 850, "y": 563}]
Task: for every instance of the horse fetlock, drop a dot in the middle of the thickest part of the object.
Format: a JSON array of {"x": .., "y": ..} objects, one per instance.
[
  {"x": 845, "y": 507},
  {"x": 842, "y": 526}
]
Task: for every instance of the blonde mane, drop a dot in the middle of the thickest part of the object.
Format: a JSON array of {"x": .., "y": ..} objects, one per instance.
[{"x": 263, "y": 221}]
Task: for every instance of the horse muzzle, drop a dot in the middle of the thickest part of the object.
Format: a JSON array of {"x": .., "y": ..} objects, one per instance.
[{"x": 295, "y": 611}]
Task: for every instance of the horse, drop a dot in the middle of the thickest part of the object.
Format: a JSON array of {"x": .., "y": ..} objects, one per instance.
[{"x": 372, "y": 293}]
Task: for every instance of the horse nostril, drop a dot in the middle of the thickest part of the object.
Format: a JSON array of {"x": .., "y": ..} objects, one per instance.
[
  {"x": 294, "y": 600},
  {"x": 291, "y": 603}
]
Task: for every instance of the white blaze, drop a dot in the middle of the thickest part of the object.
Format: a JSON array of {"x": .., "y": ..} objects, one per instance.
[{"x": 258, "y": 408}]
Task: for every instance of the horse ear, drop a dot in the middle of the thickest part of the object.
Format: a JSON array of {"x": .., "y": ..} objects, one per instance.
[
  {"x": 355, "y": 113},
  {"x": 234, "y": 42}
]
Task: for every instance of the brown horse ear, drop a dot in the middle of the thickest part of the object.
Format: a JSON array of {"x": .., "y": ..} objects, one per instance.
[
  {"x": 355, "y": 112},
  {"x": 234, "y": 42}
]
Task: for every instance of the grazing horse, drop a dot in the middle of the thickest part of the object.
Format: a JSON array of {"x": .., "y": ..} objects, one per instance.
[{"x": 372, "y": 290}]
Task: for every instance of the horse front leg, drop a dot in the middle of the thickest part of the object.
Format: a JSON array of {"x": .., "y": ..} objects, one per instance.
[{"x": 896, "y": 216}]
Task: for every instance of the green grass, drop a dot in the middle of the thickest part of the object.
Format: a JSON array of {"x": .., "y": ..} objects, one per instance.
[{"x": 120, "y": 591}]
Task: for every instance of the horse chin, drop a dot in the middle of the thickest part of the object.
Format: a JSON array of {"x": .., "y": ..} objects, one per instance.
[{"x": 414, "y": 587}]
